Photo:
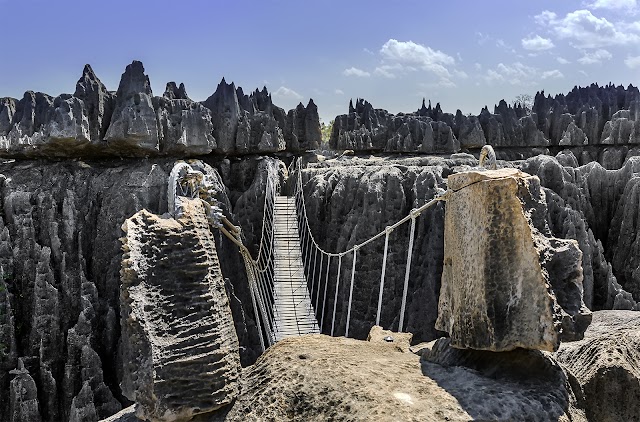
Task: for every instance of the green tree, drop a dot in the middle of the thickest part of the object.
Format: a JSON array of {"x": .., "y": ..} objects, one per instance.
[{"x": 326, "y": 130}]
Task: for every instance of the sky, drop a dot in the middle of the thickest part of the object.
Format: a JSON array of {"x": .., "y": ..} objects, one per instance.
[{"x": 464, "y": 54}]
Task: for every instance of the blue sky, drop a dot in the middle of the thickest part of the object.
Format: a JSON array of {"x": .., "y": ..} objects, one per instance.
[{"x": 463, "y": 54}]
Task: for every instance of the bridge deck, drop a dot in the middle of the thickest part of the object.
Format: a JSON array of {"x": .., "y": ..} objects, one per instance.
[{"x": 292, "y": 307}]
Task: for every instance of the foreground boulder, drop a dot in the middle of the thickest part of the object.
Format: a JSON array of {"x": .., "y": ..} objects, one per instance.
[
  {"x": 532, "y": 385},
  {"x": 506, "y": 283},
  {"x": 607, "y": 365},
  {"x": 179, "y": 349}
]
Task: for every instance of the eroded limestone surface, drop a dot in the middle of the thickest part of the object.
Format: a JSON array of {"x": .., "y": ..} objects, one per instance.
[
  {"x": 606, "y": 363},
  {"x": 506, "y": 283},
  {"x": 179, "y": 348}
]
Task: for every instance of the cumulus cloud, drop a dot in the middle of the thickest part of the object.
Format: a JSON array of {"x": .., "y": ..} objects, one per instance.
[
  {"x": 632, "y": 62},
  {"x": 552, "y": 74},
  {"x": 537, "y": 43},
  {"x": 338, "y": 92},
  {"x": 412, "y": 55},
  {"x": 284, "y": 92},
  {"x": 613, "y": 4},
  {"x": 584, "y": 30},
  {"x": 519, "y": 74},
  {"x": 595, "y": 57},
  {"x": 386, "y": 71},
  {"x": 562, "y": 60},
  {"x": 354, "y": 71}
]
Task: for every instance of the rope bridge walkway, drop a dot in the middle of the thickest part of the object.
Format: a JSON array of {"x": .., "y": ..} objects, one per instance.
[
  {"x": 293, "y": 311},
  {"x": 290, "y": 277}
]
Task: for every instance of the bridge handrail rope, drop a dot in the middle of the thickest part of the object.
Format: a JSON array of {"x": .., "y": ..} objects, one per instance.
[
  {"x": 311, "y": 246},
  {"x": 260, "y": 270}
]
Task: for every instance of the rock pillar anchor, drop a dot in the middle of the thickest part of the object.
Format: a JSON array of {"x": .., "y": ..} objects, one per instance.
[{"x": 506, "y": 282}]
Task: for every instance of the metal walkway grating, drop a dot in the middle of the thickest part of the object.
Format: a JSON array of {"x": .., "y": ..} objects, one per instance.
[{"x": 293, "y": 312}]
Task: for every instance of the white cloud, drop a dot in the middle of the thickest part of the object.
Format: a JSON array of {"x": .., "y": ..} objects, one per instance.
[
  {"x": 446, "y": 83},
  {"x": 537, "y": 43},
  {"x": 339, "y": 92},
  {"x": 409, "y": 54},
  {"x": 545, "y": 17},
  {"x": 460, "y": 74},
  {"x": 552, "y": 74},
  {"x": 595, "y": 57},
  {"x": 284, "y": 92},
  {"x": 366, "y": 50},
  {"x": 354, "y": 71},
  {"x": 613, "y": 4},
  {"x": 584, "y": 30},
  {"x": 386, "y": 71},
  {"x": 503, "y": 45},
  {"x": 515, "y": 74},
  {"x": 632, "y": 62},
  {"x": 482, "y": 38},
  {"x": 562, "y": 60},
  {"x": 519, "y": 74},
  {"x": 477, "y": 66}
]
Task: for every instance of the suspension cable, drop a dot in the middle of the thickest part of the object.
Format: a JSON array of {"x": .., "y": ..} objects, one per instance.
[{"x": 406, "y": 273}]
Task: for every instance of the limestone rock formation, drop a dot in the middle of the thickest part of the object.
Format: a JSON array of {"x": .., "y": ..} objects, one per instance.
[
  {"x": 60, "y": 260},
  {"x": 23, "y": 397},
  {"x": 303, "y": 128},
  {"x": 590, "y": 204},
  {"x": 180, "y": 357},
  {"x": 97, "y": 123},
  {"x": 133, "y": 123},
  {"x": 185, "y": 126},
  {"x": 369, "y": 129},
  {"x": 583, "y": 121},
  {"x": 322, "y": 378},
  {"x": 246, "y": 124},
  {"x": 524, "y": 373},
  {"x": 505, "y": 284},
  {"x": 98, "y": 101},
  {"x": 606, "y": 363}
]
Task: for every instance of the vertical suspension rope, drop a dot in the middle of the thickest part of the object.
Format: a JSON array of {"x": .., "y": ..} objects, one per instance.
[
  {"x": 335, "y": 299},
  {"x": 313, "y": 273},
  {"x": 407, "y": 271},
  {"x": 249, "y": 271},
  {"x": 353, "y": 273},
  {"x": 319, "y": 280},
  {"x": 388, "y": 231},
  {"x": 324, "y": 299}
]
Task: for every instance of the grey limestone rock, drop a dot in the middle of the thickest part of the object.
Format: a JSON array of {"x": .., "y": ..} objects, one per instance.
[
  {"x": 543, "y": 389},
  {"x": 469, "y": 131},
  {"x": 506, "y": 283},
  {"x": 303, "y": 128},
  {"x": 348, "y": 204},
  {"x": 185, "y": 126},
  {"x": 318, "y": 377},
  {"x": 590, "y": 204},
  {"x": 98, "y": 103},
  {"x": 369, "y": 129},
  {"x": 23, "y": 396},
  {"x": 606, "y": 365},
  {"x": 133, "y": 124},
  {"x": 180, "y": 356},
  {"x": 82, "y": 408}
]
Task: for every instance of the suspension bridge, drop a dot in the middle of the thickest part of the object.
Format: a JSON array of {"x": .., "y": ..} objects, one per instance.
[{"x": 290, "y": 277}]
